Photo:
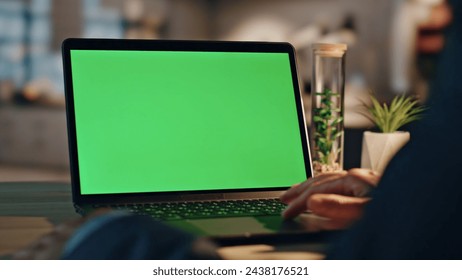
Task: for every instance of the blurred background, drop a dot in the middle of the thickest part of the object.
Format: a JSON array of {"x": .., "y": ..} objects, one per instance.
[{"x": 384, "y": 54}]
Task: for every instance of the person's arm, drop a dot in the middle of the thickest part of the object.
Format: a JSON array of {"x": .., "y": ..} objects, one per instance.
[{"x": 340, "y": 195}]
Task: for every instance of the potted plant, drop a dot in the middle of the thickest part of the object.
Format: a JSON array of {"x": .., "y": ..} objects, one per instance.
[
  {"x": 327, "y": 107},
  {"x": 378, "y": 148},
  {"x": 328, "y": 131}
]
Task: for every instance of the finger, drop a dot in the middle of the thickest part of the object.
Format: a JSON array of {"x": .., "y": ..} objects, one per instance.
[
  {"x": 295, "y": 191},
  {"x": 337, "y": 206},
  {"x": 331, "y": 183},
  {"x": 342, "y": 184},
  {"x": 298, "y": 189},
  {"x": 296, "y": 207},
  {"x": 369, "y": 176},
  {"x": 356, "y": 183}
]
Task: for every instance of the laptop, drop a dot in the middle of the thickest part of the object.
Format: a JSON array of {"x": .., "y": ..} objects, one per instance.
[{"x": 210, "y": 126}]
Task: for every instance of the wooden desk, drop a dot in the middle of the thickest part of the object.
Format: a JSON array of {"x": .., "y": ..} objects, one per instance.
[{"x": 29, "y": 210}]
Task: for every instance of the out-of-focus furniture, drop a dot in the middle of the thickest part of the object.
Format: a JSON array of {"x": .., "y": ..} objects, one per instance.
[{"x": 33, "y": 135}]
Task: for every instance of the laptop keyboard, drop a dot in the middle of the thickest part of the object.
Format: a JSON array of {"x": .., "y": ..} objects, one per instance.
[{"x": 204, "y": 209}]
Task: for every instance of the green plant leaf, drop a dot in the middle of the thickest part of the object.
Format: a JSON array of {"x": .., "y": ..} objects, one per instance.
[
  {"x": 336, "y": 135},
  {"x": 336, "y": 121},
  {"x": 317, "y": 119},
  {"x": 326, "y": 120},
  {"x": 389, "y": 118}
]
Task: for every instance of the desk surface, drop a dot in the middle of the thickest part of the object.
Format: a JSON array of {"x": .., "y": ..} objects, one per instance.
[
  {"x": 29, "y": 210},
  {"x": 51, "y": 200}
]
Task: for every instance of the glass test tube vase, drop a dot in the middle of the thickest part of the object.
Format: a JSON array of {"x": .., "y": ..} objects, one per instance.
[{"x": 328, "y": 87}]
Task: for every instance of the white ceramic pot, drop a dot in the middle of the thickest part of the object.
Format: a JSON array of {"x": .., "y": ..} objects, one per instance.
[{"x": 379, "y": 148}]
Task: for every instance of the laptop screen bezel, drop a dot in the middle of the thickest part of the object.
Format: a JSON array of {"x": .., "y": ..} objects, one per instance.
[{"x": 172, "y": 45}]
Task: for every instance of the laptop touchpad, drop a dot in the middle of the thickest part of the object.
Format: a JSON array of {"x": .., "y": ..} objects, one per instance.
[{"x": 231, "y": 226}]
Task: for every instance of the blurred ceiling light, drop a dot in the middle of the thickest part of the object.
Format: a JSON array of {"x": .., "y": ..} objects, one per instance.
[
  {"x": 304, "y": 37},
  {"x": 261, "y": 28}
]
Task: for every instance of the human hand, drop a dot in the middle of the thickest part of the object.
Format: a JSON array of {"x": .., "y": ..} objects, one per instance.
[
  {"x": 51, "y": 245},
  {"x": 340, "y": 195}
]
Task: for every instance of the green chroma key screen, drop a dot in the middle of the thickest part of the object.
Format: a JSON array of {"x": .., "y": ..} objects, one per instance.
[{"x": 149, "y": 121}]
